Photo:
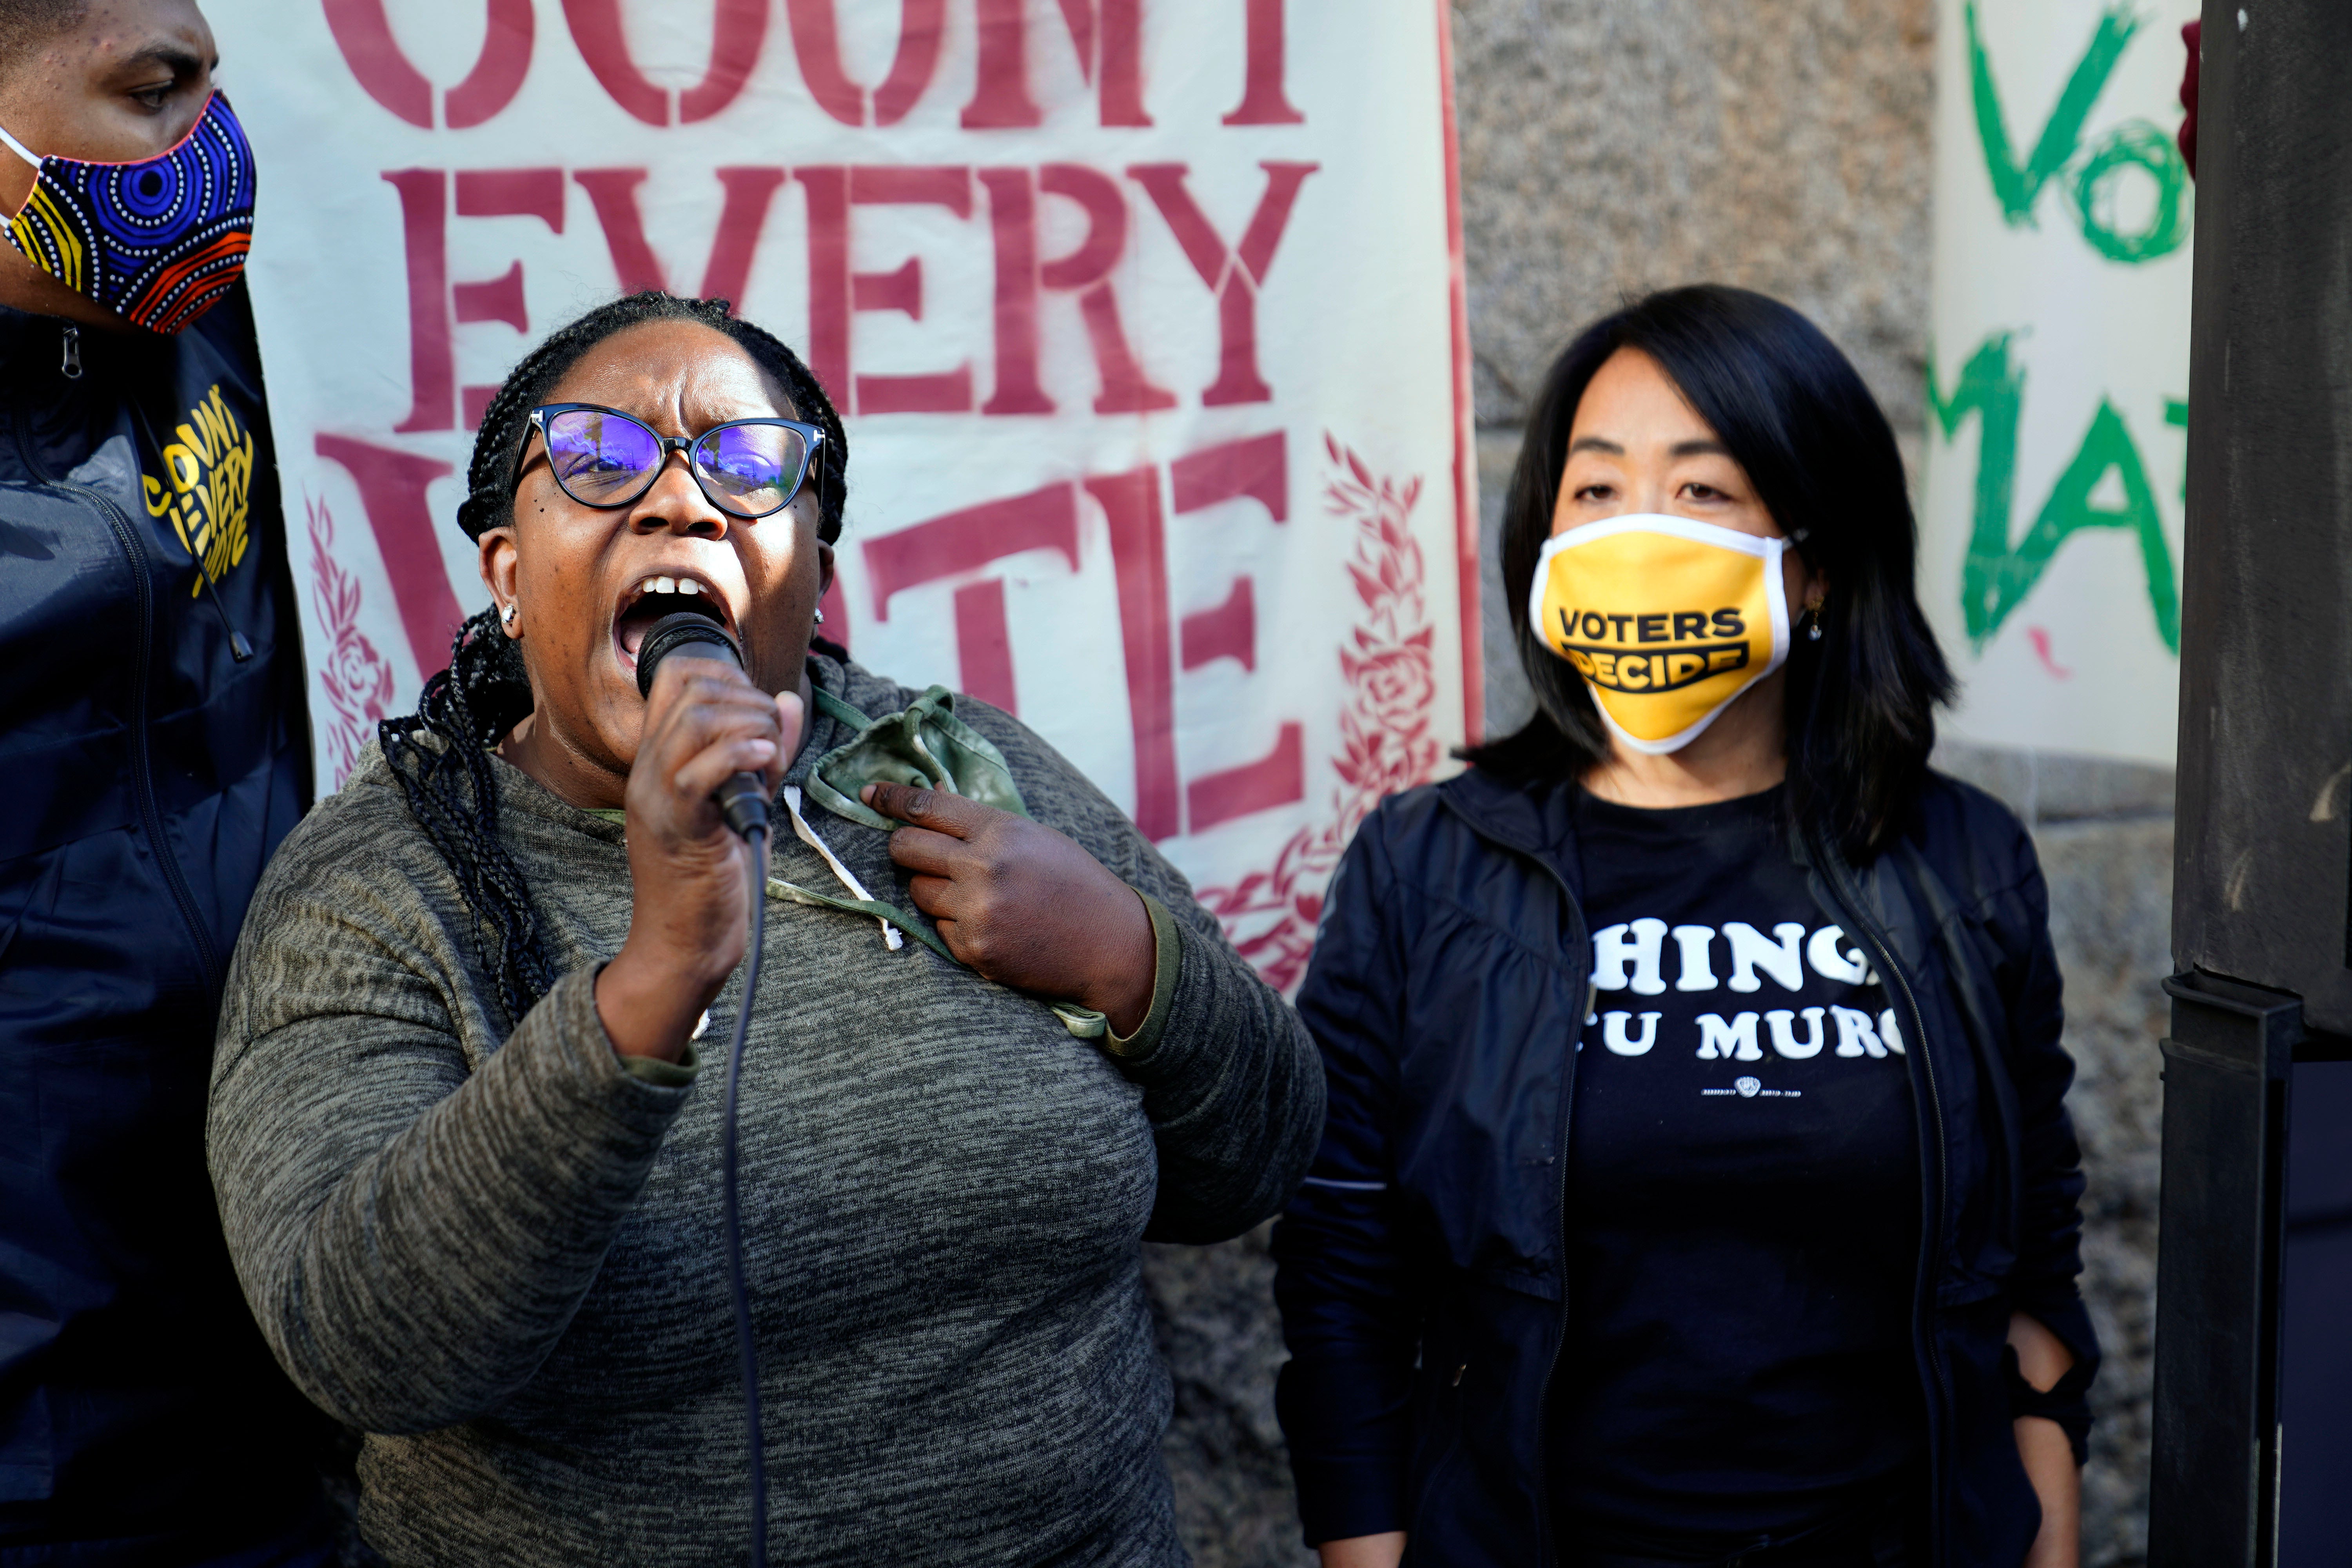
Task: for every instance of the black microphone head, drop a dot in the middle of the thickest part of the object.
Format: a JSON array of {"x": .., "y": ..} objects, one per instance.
[{"x": 683, "y": 631}]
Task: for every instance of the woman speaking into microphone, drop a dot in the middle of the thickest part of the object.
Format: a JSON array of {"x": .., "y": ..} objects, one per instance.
[
  {"x": 472, "y": 1185},
  {"x": 1698, "y": 1187}
]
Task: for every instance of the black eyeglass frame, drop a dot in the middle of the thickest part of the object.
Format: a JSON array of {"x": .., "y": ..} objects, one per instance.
[{"x": 537, "y": 420}]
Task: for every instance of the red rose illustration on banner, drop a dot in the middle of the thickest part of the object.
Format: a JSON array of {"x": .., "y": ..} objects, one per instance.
[
  {"x": 1386, "y": 737},
  {"x": 1396, "y": 683},
  {"x": 356, "y": 679}
]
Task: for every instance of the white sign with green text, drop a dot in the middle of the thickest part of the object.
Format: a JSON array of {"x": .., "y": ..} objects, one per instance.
[{"x": 2058, "y": 372}]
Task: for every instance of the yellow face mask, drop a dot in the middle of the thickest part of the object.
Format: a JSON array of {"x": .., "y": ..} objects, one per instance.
[{"x": 1666, "y": 619}]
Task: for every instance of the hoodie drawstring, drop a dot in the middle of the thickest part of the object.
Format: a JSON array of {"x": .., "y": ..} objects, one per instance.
[{"x": 848, "y": 878}]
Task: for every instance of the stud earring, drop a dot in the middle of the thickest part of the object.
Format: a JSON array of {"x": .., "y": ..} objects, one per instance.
[
  {"x": 506, "y": 616},
  {"x": 820, "y": 615}
]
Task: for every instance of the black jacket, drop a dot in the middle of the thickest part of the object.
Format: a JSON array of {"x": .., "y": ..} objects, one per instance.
[
  {"x": 1420, "y": 1270},
  {"x": 148, "y": 773}
]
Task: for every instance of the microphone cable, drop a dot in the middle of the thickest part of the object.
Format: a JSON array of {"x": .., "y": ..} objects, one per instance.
[
  {"x": 747, "y": 1348},
  {"x": 745, "y": 806}
]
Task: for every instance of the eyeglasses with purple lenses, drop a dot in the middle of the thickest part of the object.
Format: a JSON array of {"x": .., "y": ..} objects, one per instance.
[{"x": 604, "y": 457}]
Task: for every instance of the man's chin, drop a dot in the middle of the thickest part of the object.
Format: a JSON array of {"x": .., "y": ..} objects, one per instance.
[{"x": 24, "y": 287}]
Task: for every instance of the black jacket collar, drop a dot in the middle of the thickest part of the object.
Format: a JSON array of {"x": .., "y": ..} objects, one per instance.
[{"x": 1537, "y": 818}]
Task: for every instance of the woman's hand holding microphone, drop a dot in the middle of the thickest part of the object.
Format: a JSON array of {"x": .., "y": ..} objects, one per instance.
[
  {"x": 705, "y": 721},
  {"x": 1021, "y": 904}
]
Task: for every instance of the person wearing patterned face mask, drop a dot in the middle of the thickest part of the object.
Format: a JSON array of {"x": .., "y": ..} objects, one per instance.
[{"x": 153, "y": 741}]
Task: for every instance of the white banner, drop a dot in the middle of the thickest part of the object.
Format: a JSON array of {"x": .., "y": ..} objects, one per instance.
[
  {"x": 2058, "y": 371},
  {"x": 1145, "y": 317}
]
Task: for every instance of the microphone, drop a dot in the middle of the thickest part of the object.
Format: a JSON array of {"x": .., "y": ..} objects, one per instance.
[
  {"x": 742, "y": 799},
  {"x": 744, "y": 804}
]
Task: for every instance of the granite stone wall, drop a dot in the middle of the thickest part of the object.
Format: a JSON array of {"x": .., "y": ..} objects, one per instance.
[{"x": 1614, "y": 146}]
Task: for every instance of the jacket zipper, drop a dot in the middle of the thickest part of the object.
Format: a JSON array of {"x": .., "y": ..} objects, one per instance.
[
  {"x": 1544, "y": 1524},
  {"x": 143, "y": 782},
  {"x": 1578, "y": 938},
  {"x": 1931, "y": 1232},
  {"x": 69, "y": 366},
  {"x": 143, "y": 774}
]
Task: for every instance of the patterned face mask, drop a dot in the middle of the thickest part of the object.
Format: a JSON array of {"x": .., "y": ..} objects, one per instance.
[{"x": 157, "y": 241}]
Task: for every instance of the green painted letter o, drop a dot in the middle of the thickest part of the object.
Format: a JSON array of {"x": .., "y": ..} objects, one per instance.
[{"x": 2135, "y": 144}]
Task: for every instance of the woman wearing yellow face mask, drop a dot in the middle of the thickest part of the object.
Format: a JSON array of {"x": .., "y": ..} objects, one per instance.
[{"x": 1698, "y": 1185}]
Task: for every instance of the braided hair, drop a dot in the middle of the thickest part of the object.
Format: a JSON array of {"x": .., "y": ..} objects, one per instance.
[{"x": 440, "y": 753}]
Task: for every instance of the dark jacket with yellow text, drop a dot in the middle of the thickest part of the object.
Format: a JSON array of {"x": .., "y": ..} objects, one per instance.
[{"x": 147, "y": 771}]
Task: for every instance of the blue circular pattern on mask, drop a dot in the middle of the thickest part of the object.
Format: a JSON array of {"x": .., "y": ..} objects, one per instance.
[{"x": 156, "y": 241}]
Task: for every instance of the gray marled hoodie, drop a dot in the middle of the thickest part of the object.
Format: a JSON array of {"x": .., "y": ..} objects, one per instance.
[{"x": 500, "y": 1255}]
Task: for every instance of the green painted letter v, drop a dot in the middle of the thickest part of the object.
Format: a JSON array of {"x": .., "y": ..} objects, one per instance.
[{"x": 2016, "y": 187}]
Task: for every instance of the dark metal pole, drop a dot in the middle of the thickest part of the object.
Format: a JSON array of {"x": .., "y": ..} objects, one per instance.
[
  {"x": 2214, "y": 1492},
  {"x": 2262, "y": 868}
]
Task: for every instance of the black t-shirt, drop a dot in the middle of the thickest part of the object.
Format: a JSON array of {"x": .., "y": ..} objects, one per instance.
[{"x": 1743, "y": 1197}]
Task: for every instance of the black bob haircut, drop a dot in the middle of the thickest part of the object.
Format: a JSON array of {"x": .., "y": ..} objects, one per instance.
[
  {"x": 1798, "y": 419},
  {"x": 439, "y": 753}
]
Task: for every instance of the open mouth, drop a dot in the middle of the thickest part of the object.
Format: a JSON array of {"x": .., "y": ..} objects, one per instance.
[{"x": 651, "y": 598}]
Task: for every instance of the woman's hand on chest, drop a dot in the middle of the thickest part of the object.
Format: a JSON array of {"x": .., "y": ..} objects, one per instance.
[{"x": 1021, "y": 904}]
